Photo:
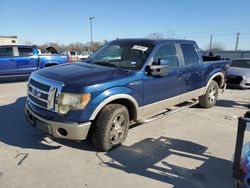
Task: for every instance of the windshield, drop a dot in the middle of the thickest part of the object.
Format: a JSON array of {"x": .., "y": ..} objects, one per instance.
[
  {"x": 129, "y": 55},
  {"x": 241, "y": 63}
]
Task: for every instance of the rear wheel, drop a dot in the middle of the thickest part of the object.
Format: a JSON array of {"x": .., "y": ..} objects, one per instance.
[
  {"x": 111, "y": 127},
  {"x": 209, "y": 99}
]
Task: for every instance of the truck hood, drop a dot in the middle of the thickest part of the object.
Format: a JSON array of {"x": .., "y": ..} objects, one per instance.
[
  {"x": 82, "y": 74},
  {"x": 239, "y": 71}
]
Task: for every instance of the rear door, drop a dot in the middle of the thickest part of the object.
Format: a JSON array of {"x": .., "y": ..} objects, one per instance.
[
  {"x": 26, "y": 59},
  {"x": 7, "y": 61},
  {"x": 159, "y": 88},
  {"x": 192, "y": 68}
]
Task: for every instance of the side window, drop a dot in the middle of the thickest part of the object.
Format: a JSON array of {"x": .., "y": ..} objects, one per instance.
[
  {"x": 25, "y": 51},
  {"x": 6, "y": 51},
  {"x": 167, "y": 52},
  {"x": 190, "y": 54}
]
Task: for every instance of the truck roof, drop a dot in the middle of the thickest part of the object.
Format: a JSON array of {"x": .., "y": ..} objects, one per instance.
[{"x": 156, "y": 41}]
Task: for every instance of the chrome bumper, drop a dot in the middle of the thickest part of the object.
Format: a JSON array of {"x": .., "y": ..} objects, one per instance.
[{"x": 72, "y": 131}]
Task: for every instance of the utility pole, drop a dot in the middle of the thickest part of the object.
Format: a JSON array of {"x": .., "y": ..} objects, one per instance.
[
  {"x": 91, "y": 37},
  {"x": 237, "y": 41},
  {"x": 211, "y": 41}
]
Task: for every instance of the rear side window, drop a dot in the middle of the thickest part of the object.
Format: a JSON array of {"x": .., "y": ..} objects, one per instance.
[
  {"x": 190, "y": 54},
  {"x": 72, "y": 53},
  {"x": 167, "y": 52},
  {"x": 25, "y": 51},
  {"x": 8, "y": 51}
]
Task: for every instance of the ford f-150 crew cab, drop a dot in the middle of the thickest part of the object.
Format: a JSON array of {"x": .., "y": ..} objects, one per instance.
[
  {"x": 22, "y": 60},
  {"x": 125, "y": 81}
]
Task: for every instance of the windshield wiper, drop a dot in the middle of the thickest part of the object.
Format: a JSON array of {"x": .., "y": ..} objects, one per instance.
[{"x": 106, "y": 63}]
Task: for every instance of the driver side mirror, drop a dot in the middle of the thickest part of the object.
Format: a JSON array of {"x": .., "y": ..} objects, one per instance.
[{"x": 159, "y": 68}]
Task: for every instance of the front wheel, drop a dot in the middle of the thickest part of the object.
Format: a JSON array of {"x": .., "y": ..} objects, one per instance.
[
  {"x": 209, "y": 99},
  {"x": 111, "y": 127}
]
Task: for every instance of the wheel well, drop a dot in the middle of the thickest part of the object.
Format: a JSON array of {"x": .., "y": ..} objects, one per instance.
[
  {"x": 129, "y": 105},
  {"x": 50, "y": 64},
  {"x": 219, "y": 80}
]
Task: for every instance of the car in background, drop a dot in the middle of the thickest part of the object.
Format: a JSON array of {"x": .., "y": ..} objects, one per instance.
[
  {"x": 239, "y": 73},
  {"x": 72, "y": 55},
  {"x": 77, "y": 56},
  {"x": 84, "y": 55},
  {"x": 17, "y": 60}
]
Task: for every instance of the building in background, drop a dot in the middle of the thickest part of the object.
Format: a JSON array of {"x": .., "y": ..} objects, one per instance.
[
  {"x": 230, "y": 54},
  {"x": 6, "y": 40}
]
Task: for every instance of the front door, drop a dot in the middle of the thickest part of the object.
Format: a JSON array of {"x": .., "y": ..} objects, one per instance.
[{"x": 157, "y": 89}]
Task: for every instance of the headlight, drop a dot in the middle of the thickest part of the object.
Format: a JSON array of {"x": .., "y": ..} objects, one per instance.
[{"x": 70, "y": 101}]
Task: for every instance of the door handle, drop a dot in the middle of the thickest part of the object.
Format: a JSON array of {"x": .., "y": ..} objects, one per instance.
[
  {"x": 179, "y": 76},
  {"x": 199, "y": 72}
]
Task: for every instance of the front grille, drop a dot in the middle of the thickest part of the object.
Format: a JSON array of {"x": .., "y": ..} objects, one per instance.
[
  {"x": 41, "y": 86},
  {"x": 234, "y": 80},
  {"x": 42, "y": 94},
  {"x": 38, "y": 102}
]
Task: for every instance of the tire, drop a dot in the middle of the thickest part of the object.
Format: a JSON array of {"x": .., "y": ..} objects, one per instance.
[
  {"x": 111, "y": 127},
  {"x": 209, "y": 99}
]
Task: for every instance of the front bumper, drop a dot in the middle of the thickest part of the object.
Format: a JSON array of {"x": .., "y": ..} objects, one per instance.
[
  {"x": 243, "y": 83},
  {"x": 240, "y": 86},
  {"x": 72, "y": 131}
]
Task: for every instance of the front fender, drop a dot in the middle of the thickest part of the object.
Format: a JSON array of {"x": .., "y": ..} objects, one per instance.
[
  {"x": 110, "y": 95},
  {"x": 212, "y": 75}
]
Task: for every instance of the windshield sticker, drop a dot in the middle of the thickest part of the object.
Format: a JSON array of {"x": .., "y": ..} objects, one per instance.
[{"x": 138, "y": 47}]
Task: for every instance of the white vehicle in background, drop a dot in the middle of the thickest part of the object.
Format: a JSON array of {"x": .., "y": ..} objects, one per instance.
[
  {"x": 84, "y": 55},
  {"x": 77, "y": 56},
  {"x": 239, "y": 73},
  {"x": 72, "y": 55}
]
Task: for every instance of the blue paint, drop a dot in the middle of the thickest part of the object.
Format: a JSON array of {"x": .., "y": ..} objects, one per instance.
[
  {"x": 15, "y": 64},
  {"x": 106, "y": 81}
]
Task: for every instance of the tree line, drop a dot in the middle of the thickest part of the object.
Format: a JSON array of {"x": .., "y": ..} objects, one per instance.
[{"x": 77, "y": 46}]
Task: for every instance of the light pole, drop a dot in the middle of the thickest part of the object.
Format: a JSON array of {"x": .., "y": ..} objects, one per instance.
[
  {"x": 91, "y": 37},
  {"x": 211, "y": 41},
  {"x": 237, "y": 41}
]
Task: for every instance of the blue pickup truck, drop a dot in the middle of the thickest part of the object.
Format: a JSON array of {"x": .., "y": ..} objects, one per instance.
[
  {"x": 125, "y": 81},
  {"x": 16, "y": 60}
]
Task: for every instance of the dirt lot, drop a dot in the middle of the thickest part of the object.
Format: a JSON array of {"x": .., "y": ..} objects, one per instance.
[{"x": 191, "y": 148}]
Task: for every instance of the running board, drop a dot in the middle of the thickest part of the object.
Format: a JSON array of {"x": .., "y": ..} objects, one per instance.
[
  {"x": 168, "y": 111},
  {"x": 14, "y": 75}
]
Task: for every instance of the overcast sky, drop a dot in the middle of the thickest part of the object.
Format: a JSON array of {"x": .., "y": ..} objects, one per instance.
[{"x": 63, "y": 21}]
